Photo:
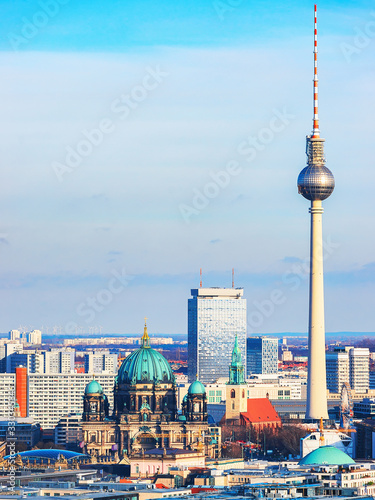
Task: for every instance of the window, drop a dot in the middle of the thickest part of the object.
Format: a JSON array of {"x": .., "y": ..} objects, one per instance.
[{"x": 232, "y": 393}]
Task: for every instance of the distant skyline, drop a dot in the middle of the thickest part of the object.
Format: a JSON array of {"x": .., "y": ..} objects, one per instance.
[{"x": 143, "y": 141}]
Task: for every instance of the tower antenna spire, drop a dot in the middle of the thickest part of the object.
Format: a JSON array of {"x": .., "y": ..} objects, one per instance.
[
  {"x": 315, "y": 132},
  {"x": 316, "y": 183},
  {"x": 232, "y": 277},
  {"x": 200, "y": 282}
]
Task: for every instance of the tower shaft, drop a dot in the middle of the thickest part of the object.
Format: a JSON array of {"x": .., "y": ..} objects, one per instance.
[{"x": 316, "y": 405}]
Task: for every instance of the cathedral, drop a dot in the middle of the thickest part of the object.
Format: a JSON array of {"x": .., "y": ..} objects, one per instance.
[{"x": 145, "y": 414}]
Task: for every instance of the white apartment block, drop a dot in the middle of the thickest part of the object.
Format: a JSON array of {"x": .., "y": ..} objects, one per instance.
[
  {"x": 14, "y": 335},
  {"x": 359, "y": 369},
  {"x": 7, "y": 394},
  {"x": 34, "y": 337},
  {"x": 59, "y": 361},
  {"x": 349, "y": 365},
  {"x": 337, "y": 368},
  {"x": 101, "y": 362},
  {"x": 51, "y": 397}
]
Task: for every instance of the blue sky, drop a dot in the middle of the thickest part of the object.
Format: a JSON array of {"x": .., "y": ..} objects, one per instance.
[{"x": 162, "y": 100}]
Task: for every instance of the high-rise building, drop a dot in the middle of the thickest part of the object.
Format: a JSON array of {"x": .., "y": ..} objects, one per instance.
[
  {"x": 100, "y": 362},
  {"x": 262, "y": 355},
  {"x": 316, "y": 183},
  {"x": 337, "y": 367},
  {"x": 7, "y": 394},
  {"x": 14, "y": 335},
  {"x": 11, "y": 347},
  {"x": 34, "y": 337},
  {"x": 215, "y": 317},
  {"x": 348, "y": 365},
  {"x": 359, "y": 369},
  {"x": 59, "y": 360}
]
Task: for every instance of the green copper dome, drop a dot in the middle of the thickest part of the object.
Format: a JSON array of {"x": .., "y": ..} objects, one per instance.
[
  {"x": 197, "y": 388},
  {"x": 326, "y": 455},
  {"x": 145, "y": 365},
  {"x": 93, "y": 388}
]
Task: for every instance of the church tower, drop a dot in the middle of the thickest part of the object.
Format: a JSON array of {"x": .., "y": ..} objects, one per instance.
[
  {"x": 95, "y": 403},
  {"x": 236, "y": 390}
]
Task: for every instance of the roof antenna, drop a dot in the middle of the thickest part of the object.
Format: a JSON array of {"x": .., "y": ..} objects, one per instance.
[
  {"x": 232, "y": 277},
  {"x": 200, "y": 283},
  {"x": 315, "y": 132}
]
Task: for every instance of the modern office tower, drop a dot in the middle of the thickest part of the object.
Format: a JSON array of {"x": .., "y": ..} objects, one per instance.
[
  {"x": 359, "y": 369},
  {"x": 337, "y": 368},
  {"x": 215, "y": 317},
  {"x": 262, "y": 355},
  {"x": 34, "y": 337},
  {"x": 100, "y": 362},
  {"x": 316, "y": 183},
  {"x": 14, "y": 335},
  {"x": 11, "y": 347},
  {"x": 59, "y": 360}
]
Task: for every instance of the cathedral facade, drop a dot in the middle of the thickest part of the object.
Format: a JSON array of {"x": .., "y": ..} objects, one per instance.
[{"x": 145, "y": 414}]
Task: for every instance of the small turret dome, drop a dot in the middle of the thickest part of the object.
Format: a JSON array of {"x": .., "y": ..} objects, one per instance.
[
  {"x": 197, "y": 388},
  {"x": 93, "y": 388}
]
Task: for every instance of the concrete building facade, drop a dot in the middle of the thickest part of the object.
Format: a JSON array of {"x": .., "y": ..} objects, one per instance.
[
  {"x": 215, "y": 317},
  {"x": 262, "y": 355}
]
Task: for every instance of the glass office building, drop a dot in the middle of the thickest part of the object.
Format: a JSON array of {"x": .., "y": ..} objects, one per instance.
[
  {"x": 262, "y": 355},
  {"x": 215, "y": 317}
]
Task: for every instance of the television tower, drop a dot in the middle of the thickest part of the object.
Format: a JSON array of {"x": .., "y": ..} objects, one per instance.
[{"x": 316, "y": 183}]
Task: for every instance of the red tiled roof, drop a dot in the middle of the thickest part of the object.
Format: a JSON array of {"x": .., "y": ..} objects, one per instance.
[{"x": 260, "y": 410}]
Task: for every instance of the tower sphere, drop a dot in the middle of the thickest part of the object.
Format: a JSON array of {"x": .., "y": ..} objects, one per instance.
[{"x": 315, "y": 182}]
